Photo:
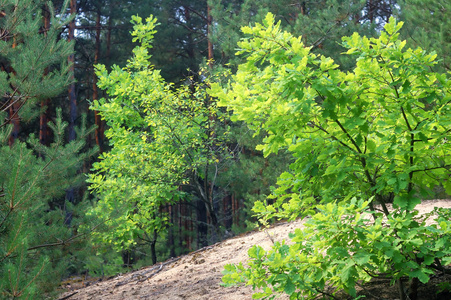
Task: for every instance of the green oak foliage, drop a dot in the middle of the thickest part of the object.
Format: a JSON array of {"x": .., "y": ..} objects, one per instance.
[
  {"x": 162, "y": 138},
  {"x": 380, "y": 132}
]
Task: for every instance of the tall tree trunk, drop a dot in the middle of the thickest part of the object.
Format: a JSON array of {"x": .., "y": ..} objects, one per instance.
[
  {"x": 210, "y": 44},
  {"x": 14, "y": 119},
  {"x": 236, "y": 210},
  {"x": 95, "y": 95},
  {"x": 180, "y": 225},
  {"x": 43, "y": 123},
  {"x": 186, "y": 226},
  {"x": 70, "y": 193},
  {"x": 153, "y": 251},
  {"x": 188, "y": 221},
  {"x": 202, "y": 228},
  {"x": 71, "y": 91},
  {"x": 108, "y": 38},
  {"x": 371, "y": 9},
  {"x": 171, "y": 241},
  {"x": 44, "y": 118},
  {"x": 14, "y": 110},
  {"x": 190, "y": 41}
]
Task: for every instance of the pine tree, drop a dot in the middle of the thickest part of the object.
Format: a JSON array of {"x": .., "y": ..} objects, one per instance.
[
  {"x": 33, "y": 177},
  {"x": 428, "y": 25}
]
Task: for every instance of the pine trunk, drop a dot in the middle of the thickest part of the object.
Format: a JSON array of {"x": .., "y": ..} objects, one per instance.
[
  {"x": 95, "y": 93},
  {"x": 70, "y": 192},
  {"x": 108, "y": 41},
  {"x": 14, "y": 119},
  {"x": 14, "y": 111},
  {"x": 71, "y": 91},
  {"x": 171, "y": 241},
  {"x": 202, "y": 228},
  {"x": 210, "y": 44},
  {"x": 44, "y": 118}
]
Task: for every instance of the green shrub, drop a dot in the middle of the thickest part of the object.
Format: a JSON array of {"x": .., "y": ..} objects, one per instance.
[{"x": 379, "y": 133}]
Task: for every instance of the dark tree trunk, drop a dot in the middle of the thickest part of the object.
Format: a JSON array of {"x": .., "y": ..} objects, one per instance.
[
  {"x": 14, "y": 111},
  {"x": 187, "y": 226},
  {"x": 190, "y": 46},
  {"x": 70, "y": 193},
  {"x": 108, "y": 40},
  {"x": 236, "y": 209},
  {"x": 180, "y": 225},
  {"x": 15, "y": 120},
  {"x": 210, "y": 44},
  {"x": 44, "y": 118},
  {"x": 202, "y": 228},
  {"x": 71, "y": 91},
  {"x": 171, "y": 242},
  {"x": 128, "y": 258},
  {"x": 227, "y": 211},
  {"x": 371, "y": 9},
  {"x": 413, "y": 291},
  {"x": 153, "y": 250},
  {"x": 43, "y": 123},
  {"x": 95, "y": 95},
  {"x": 401, "y": 289}
]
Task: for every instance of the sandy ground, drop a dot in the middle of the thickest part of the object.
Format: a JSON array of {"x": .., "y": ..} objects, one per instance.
[{"x": 196, "y": 275}]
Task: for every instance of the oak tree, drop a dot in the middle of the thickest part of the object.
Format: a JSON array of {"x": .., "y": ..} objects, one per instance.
[{"x": 379, "y": 133}]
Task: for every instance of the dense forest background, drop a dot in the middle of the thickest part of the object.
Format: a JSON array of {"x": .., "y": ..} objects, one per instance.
[{"x": 54, "y": 223}]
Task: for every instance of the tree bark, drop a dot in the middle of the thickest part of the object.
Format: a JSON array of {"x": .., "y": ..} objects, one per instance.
[
  {"x": 70, "y": 193},
  {"x": 401, "y": 289},
  {"x": 179, "y": 223},
  {"x": 44, "y": 118},
  {"x": 153, "y": 250},
  {"x": 14, "y": 110},
  {"x": 95, "y": 93},
  {"x": 171, "y": 232},
  {"x": 108, "y": 40},
  {"x": 189, "y": 49},
  {"x": 202, "y": 228},
  {"x": 71, "y": 90},
  {"x": 371, "y": 8},
  {"x": 413, "y": 291},
  {"x": 15, "y": 120},
  {"x": 209, "y": 43},
  {"x": 186, "y": 226}
]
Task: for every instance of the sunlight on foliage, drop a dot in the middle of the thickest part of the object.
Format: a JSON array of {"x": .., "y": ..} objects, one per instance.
[
  {"x": 380, "y": 132},
  {"x": 160, "y": 135}
]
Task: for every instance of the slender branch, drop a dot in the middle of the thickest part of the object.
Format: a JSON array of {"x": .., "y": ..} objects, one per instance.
[
  {"x": 6, "y": 217},
  {"x": 213, "y": 182},
  {"x": 10, "y": 251},
  {"x": 349, "y": 137},
  {"x": 434, "y": 168},
  {"x": 195, "y": 12},
  {"x": 440, "y": 268},
  {"x": 325, "y": 293},
  {"x": 65, "y": 242},
  {"x": 199, "y": 188},
  {"x": 313, "y": 124},
  {"x": 412, "y": 136},
  {"x": 34, "y": 278}
]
